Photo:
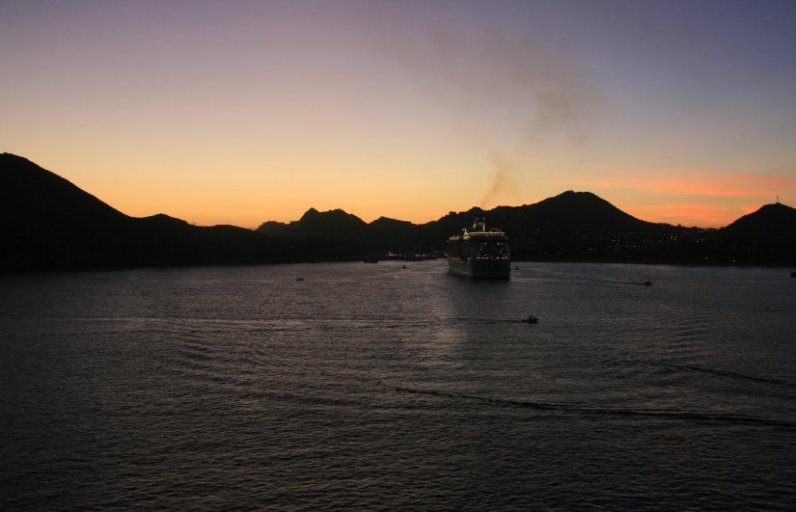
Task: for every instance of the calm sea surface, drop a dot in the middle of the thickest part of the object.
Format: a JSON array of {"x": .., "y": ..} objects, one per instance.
[{"x": 377, "y": 387}]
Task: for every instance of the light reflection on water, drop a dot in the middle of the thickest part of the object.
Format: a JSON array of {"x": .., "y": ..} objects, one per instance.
[{"x": 377, "y": 387}]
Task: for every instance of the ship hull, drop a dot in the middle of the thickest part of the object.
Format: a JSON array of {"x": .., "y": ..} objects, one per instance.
[{"x": 486, "y": 270}]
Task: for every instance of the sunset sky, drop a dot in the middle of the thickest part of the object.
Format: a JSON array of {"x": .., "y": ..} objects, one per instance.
[{"x": 238, "y": 112}]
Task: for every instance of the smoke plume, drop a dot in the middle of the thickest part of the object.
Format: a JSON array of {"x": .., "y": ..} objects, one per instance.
[
  {"x": 503, "y": 180},
  {"x": 512, "y": 95}
]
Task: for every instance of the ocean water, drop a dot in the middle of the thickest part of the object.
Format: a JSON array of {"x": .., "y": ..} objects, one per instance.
[{"x": 378, "y": 387}]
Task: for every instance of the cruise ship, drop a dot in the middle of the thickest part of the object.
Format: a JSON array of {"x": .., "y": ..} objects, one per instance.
[{"x": 479, "y": 252}]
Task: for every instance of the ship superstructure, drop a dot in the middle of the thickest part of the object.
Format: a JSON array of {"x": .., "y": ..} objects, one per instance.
[{"x": 479, "y": 252}]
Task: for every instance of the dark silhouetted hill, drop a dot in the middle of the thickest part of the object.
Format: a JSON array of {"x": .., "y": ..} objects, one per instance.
[
  {"x": 770, "y": 222},
  {"x": 47, "y": 223},
  {"x": 572, "y": 226},
  {"x": 398, "y": 236},
  {"x": 317, "y": 224},
  {"x": 767, "y": 236},
  {"x": 331, "y": 235},
  {"x": 586, "y": 212}
]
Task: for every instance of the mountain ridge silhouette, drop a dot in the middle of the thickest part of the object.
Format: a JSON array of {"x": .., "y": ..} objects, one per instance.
[{"x": 49, "y": 223}]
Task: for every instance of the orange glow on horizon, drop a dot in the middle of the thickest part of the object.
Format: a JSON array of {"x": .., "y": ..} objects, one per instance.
[
  {"x": 689, "y": 214},
  {"x": 690, "y": 197},
  {"x": 690, "y": 182},
  {"x": 204, "y": 192},
  {"x": 197, "y": 195}
]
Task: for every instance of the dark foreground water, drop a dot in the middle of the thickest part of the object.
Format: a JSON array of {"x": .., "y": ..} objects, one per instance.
[{"x": 374, "y": 387}]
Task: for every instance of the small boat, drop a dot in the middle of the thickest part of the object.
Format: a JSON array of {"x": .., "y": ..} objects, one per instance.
[
  {"x": 531, "y": 320},
  {"x": 647, "y": 283}
]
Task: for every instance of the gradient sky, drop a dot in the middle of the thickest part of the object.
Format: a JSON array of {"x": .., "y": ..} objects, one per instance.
[{"x": 240, "y": 112}]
